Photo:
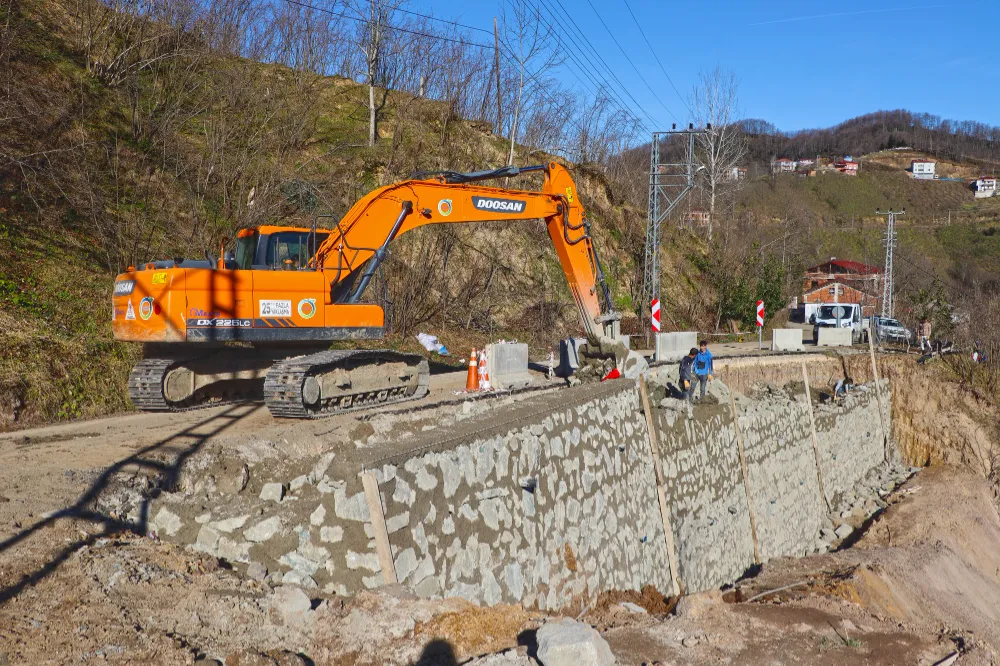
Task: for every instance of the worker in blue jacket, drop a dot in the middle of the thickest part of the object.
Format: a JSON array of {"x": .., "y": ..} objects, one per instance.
[{"x": 703, "y": 368}]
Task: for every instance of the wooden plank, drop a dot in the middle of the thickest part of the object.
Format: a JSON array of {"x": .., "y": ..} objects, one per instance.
[
  {"x": 668, "y": 533},
  {"x": 746, "y": 479},
  {"x": 878, "y": 396},
  {"x": 815, "y": 440},
  {"x": 374, "y": 500}
]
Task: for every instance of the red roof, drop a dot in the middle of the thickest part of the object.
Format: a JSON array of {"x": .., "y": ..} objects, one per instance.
[
  {"x": 847, "y": 266},
  {"x": 921, "y": 161},
  {"x": 783, "y": 159}
]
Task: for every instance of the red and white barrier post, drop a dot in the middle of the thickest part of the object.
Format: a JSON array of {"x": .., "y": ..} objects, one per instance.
[{"x": 760, "y": 325}]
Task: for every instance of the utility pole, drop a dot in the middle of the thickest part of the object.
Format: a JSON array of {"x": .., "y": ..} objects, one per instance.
[
  {"x": 890, "y": 244},
  {"x": 668, "y": 184},
  {"x": 496, "y": 47}
]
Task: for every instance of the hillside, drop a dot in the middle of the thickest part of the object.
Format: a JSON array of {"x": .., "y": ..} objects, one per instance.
[
  {"x": 945, "y": 235},
  {"x": 959, "y": 140},
  {"x": 98, "y": 171}
]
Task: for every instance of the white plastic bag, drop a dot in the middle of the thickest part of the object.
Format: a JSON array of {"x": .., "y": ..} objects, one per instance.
[{"x": 431, "y": 344}]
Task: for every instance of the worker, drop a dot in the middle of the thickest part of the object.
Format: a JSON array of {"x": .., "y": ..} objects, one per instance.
[
  {"x": 703, "y": 368},
  {"x": 842, "y": 388},
  {"x": 925, "y": 335},
  {"x": 687, "y": 376}
]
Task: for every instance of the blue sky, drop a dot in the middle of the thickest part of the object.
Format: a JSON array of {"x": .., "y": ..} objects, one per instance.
[{"x": 800, "y": 64}]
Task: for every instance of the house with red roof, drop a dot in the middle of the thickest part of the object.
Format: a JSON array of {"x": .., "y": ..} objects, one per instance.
[
  {"x": 841, "y": 281},
  {"x": 848, "y": 166}
]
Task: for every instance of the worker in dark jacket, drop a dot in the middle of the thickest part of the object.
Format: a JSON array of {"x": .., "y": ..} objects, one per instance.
[
  {"x": 687, "y": 375},
  {"x": 703, "y": 368}
]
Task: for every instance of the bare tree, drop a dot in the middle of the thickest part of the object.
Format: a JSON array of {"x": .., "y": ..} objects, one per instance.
[
  {"x": 378, "y": 43},
  {"x": 530, "y": 41},
  {"x": 723, "y": 146}
]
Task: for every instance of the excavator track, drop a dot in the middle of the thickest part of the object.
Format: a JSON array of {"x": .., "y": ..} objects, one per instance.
[
  {"x": 290, "y": 393},
  {"x": 146, "y": 389}
]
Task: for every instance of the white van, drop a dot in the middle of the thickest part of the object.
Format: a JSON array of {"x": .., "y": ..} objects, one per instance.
[{"x": 842, "y": 315}]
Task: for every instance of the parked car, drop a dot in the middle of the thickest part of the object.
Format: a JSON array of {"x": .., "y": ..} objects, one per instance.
[{"x": 891, "y": 330}]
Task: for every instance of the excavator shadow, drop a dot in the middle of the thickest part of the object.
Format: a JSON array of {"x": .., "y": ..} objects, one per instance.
[{"x": 176, "y": 449}]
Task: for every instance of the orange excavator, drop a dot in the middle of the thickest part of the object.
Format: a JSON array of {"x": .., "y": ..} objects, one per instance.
[{"x": 214, "y": 328}]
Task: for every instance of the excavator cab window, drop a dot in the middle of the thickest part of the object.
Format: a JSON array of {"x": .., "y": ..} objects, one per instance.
[
  {"x": 246, "y": 246},
  {"x": 291, "y": 250}
]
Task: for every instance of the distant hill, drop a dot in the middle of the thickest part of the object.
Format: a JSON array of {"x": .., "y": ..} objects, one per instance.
[{"x": 961, "y": 141}]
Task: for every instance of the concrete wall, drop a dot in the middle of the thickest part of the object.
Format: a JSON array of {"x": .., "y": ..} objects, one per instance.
[
  {"x": 547, "y": 503},
  {"x": 552, "y": 509}
]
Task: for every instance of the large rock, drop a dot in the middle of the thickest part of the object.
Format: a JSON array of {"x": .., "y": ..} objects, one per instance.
[
  {"x": 634, "y": 365},
  {"x": 291, "y": 604},
  {"x": 566, "y": 642}
]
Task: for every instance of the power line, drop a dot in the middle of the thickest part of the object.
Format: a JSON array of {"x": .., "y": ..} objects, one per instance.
[
  {"x": 509, "y": 57},
  {"x": 639, "y": 74},
  {"x": 583, "y": 51},
  {"x": 578, "y": 42},
  {"x": 435, "y": 18},
  {"x": 589, "y": 73},
  {"x": 653, "y": 51},
  {"x": 390, "y": 26}
]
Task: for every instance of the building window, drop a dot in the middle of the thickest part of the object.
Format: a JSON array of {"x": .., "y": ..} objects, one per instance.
[{"x": 833, "y": 290}]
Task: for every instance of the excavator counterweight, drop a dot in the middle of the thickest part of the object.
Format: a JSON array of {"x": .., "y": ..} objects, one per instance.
[{"x": 260, "y": 320}]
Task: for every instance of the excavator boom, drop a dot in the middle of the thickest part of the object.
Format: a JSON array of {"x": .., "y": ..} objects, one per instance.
[{"x": 364, "y": 233}]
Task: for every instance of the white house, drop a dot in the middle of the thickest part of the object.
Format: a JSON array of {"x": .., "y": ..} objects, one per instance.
[
  {"x": 784, "y": 164},
  {"x": 985, "y": 186},
  {"x": 922, "y": 169}
]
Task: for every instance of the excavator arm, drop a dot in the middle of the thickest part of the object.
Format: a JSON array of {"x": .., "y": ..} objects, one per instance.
[{"x": 355, "y": 248}]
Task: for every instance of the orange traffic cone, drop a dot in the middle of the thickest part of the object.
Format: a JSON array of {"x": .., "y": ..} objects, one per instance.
[
  {"x": 472, "y": 381},
  {"x": 484, "y": 375}
]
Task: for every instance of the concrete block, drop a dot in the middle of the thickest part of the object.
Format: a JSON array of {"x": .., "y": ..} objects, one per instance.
[
  {"x": 674, "y": 346},
  {"x": 626, "y": 340},
  {"x": 569, "y": 356},
  {"x": 834, "y": 337},
  {"x": 507, "y": 363},
  {"x": 786, "y": 339}
]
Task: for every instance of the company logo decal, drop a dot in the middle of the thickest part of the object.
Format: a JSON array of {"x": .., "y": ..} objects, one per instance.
[
  {"x": 307, "y": 308},
  {"x": 159, "y": 278},
  {"x": 499, "y": 205},
  {"x": 275, "y": 308},
  {"x": 124, "y": 287},
  {"x": 130, "y": 312},
  {"x": 145, "y": 308},
  {"x": 445, "y": 207},
  {"x": 204, "y": 314}
]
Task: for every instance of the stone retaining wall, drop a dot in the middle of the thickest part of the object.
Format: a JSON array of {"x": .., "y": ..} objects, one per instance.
[{"x": 546, "y": 503}]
